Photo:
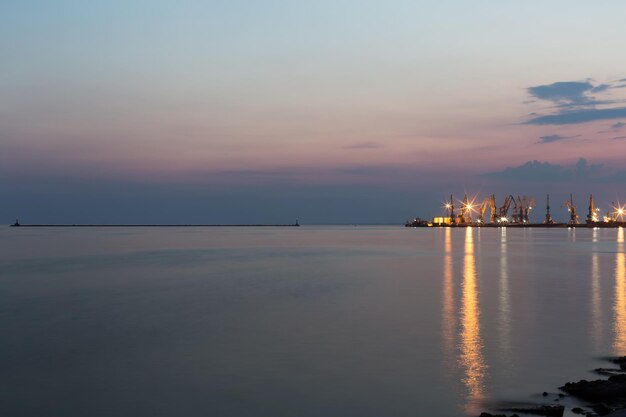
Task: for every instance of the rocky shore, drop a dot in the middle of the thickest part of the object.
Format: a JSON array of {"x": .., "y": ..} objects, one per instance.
[{"x": 601, "y": 397}]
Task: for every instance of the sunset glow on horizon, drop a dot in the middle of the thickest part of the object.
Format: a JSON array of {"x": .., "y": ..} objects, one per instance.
[{"x": 237, "y": 94}]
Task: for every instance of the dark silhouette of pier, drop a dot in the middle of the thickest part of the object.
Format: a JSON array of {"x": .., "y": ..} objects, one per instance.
[{"x": 17, "y": 224}]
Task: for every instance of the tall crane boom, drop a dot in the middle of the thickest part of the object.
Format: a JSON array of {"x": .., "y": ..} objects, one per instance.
[
  {"x": 481, "y": 210},
  {"x": 487, "y": 203},
  {"x": 504, "y": 209},
  {"x": 571, "y": 208},
  {"x": 548, "y": 219},
  {"x": 528, "y": 203},
  {"x": 518, "y": 209},
  {"x": 592, "y": 215},
  {"x": 492, "y": 209},
  {"x": 465, "y": 215}
]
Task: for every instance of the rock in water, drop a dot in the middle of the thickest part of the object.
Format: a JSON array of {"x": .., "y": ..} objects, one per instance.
[
  {"x": 541, "y": 410},
  {"x": 599, "y": 390}
]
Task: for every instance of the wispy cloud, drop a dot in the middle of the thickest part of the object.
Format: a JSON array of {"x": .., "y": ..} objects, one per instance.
[
  {"x": 545, "y": 171},
  {"x": 578, "y": 116},
  {"x": 615, "y": 127},
  {"x": 619, "y": 137},
  {"x": 363, "y": 145},
  {"x": 575, "y": 102},
  {"x": 565, "y": 92},
  {"x": 554, "y": 138}
]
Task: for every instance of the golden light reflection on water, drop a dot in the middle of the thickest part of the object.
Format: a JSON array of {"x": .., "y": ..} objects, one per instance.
[
  {"x": 596, "y": 298},
  {"x": 504, "y": 301},
  {"x": 619, "y": 306},
  {"x": 448, "y": 319},
  {"x": 471, "y": 357}
]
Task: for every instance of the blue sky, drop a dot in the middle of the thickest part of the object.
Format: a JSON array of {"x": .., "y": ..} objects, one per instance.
[{"x": 320, "y": 107}]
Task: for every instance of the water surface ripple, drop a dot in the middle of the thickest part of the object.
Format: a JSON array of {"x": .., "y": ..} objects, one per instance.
[{"x": 310, "y": 321}]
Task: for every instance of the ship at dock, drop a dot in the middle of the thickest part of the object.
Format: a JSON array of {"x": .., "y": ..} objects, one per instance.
[{"x": 515, "y": 212}]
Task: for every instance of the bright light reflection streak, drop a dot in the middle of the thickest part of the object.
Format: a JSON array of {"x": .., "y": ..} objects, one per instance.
[
  {"x": 505, "y": 301},
  {"x": 448, "y": 319},
  {"x": 471, "y": 357},
  {"x": 596, "y": 299},
  {"x": 619, "y": 306}
]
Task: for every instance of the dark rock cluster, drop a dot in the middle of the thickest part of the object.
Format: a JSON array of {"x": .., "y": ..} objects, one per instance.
[
  {"x": 604, "y": 397},
  {"x": 537, "y": 410}
]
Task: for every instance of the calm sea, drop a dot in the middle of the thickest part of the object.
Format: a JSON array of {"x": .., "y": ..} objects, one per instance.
[{"x": 309, "y": 321}]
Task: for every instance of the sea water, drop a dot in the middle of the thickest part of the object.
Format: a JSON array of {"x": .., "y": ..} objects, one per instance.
[{"x": 309, "y": 321}]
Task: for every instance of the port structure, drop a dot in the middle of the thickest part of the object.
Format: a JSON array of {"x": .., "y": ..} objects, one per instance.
[
  {"x": 488, "y": 203},
  {"x": 449, "y": 211},
  {"x": 465, "y": 214},
  {"x": 520, "y": 209},
  {"x": 498, "y": 215},
  {"x": 592, "y": 215},
  {"x": 548, "y": 220},
  {"x": 529, "y": 203},
  {"x": 617, "y": 215},
  {"x": 504, "y": 209},
  {"x": 571, "y": 208}
]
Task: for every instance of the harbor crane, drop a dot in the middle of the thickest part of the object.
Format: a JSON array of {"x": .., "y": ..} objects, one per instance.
[
  {"x": 516, "y": 209},
  {"x": 592, "y": 215},
  {"x": 471, "y": 212},
  {"x": 481, "y": 211},
  {"x": 465, "y": 215},
  {"x": 571, "y": 208},
  {"x": 493, "y": 211},
  {"x": 488, "y": 203},
  {"x": 528, "y": 203},
  {"x": 548, "y": 219},
  {"x": 521, "y": 209},
  {"x": 504, "y": 209}
]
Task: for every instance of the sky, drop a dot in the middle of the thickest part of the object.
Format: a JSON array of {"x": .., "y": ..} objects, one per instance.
[{"x": 338, "y": 111}]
